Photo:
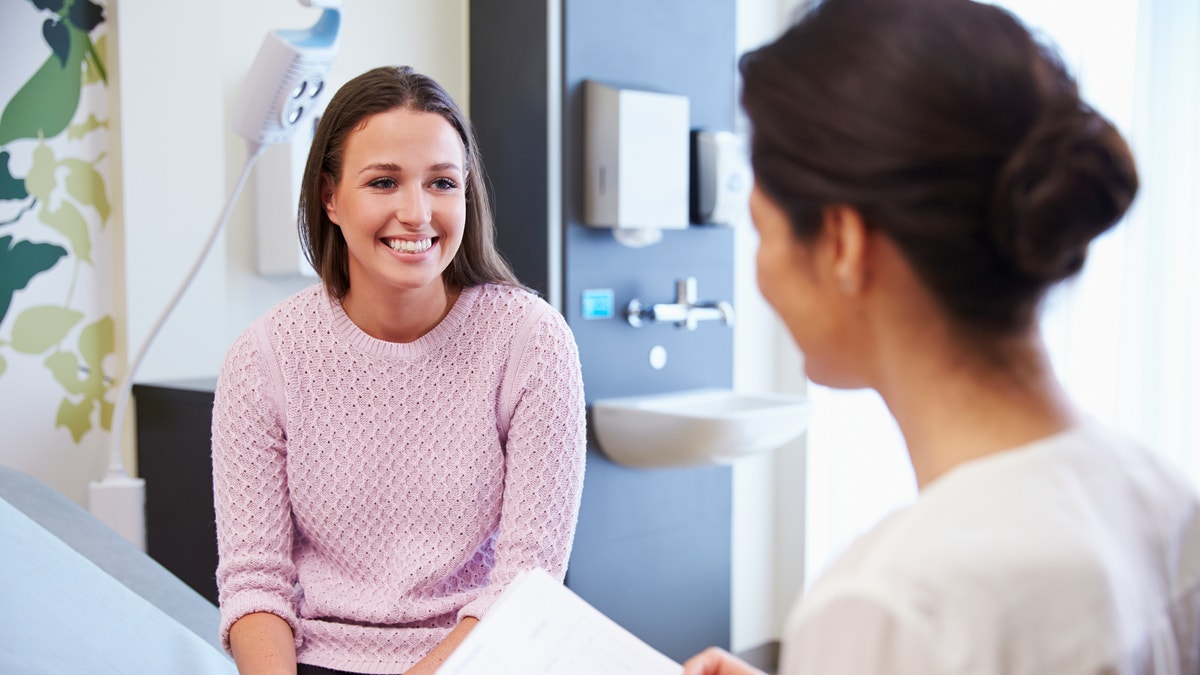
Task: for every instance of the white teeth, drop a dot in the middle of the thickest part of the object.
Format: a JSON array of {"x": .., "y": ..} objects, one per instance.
[{"x": 404, "y": 246}]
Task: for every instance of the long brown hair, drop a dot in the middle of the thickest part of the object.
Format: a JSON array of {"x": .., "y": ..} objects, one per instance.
[
  {"x": 953, "y": 132},
  {"x": 376, "y": 91}
]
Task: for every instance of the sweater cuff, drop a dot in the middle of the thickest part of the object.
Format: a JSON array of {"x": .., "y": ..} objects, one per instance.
[
  {"x": 482, "y": 603},
  {"x": 249, "y": 602}
]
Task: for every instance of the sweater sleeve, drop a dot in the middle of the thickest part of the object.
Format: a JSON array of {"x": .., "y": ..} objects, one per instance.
[
  {"x": 544, "y": 459},
  {"x": 255, "y": 572}
]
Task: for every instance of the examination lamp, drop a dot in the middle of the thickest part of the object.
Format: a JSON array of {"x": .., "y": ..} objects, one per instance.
[{"x": 281, "y": 94}]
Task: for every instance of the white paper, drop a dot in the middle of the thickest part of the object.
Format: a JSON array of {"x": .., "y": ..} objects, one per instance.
[{"x": 539, "y": 627}]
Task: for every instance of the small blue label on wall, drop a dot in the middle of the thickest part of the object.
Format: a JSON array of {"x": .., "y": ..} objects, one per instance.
[{"x": 598, "y": 303}]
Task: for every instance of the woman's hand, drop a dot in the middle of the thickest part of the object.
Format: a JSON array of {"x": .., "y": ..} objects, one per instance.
[
  {"x": 440, "y": 653},
  {"x": 715, "y": 661}
]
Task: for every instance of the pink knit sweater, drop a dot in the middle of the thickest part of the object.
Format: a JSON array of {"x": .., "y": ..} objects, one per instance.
[{"x": 372, "y": 493}]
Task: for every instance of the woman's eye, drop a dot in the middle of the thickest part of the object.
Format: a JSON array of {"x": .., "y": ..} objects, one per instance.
[
  {"x": 444, "y": 184},
  {"x": 384, "y": 183}
]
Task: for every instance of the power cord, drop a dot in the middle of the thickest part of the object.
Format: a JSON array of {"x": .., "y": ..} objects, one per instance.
[{"x": 119, "y": 499}]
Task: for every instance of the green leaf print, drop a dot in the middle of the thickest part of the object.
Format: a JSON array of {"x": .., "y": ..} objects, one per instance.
[
  {"x": 10, "y": 188},
  {"x": 93, "y": 64},
  {"x": 55, "y": 6},
  {"x": 83, "y": 183},
  {"x": 40, "y": 181},
  {"x": 77, "y": 418},
  {"x": 106, "y": 414},
  {"x": 86, "y": 185},
  {"x": 85, "y": 14},
  {"x": 21, "y": 262},
  {"x": 58, "y": 36},
  {"x": 62, "y": 192},
  {"x": 69, "y": 221},
  {"x": 95, "y": 343},
  {"x": 78, "y": 131},
  {"x": 45, "y": 104},
  {"x": 40, "y": 328},
  {"x": 64, "y": 366}
]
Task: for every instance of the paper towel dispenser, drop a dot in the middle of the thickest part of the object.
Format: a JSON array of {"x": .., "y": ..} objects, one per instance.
[{"x": 636, "y": 155}]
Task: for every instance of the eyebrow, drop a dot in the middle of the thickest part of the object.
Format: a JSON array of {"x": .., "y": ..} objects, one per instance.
[{"x": 390, "y": 166}]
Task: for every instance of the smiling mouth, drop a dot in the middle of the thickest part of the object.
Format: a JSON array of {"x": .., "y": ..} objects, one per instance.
[{"x": 407, "y": 246}]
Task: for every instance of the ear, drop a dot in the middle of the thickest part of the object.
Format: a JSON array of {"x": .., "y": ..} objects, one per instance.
[
  {"x": 849, "y": 236},
  {"x": 327, "y": 198}
]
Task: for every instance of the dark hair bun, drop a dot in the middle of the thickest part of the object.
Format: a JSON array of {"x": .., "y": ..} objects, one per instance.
[{"x": 1071, "y": 178}]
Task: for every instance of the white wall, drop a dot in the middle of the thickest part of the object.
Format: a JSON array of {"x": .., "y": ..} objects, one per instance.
[{"x": 171, "y": 131}]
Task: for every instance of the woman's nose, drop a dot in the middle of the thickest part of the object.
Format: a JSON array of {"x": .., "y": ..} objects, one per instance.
[{"x": 412, "y": 205}]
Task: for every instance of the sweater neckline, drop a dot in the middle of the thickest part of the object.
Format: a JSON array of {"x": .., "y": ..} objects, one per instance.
[{"x": 345, "y": 329}]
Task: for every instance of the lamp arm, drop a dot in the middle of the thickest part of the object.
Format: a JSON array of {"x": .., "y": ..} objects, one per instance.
[{"x": 116, "y": 464}]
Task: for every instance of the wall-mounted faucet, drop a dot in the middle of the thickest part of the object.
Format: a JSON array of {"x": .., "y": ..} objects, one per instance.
[{"x": 685, "y": 312}]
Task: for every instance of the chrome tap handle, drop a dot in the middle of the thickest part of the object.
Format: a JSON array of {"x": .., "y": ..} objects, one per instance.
[
  {"x": 685, "y": 292},
  {"x": 665, "y": 312},
  {"x": 726, "y": 310},
  {"x": 685, "y": 312},
  {"x": 633, "y": 313}
]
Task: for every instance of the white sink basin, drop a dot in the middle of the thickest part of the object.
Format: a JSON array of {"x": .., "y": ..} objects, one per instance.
[{"x": 696, "y": 427}]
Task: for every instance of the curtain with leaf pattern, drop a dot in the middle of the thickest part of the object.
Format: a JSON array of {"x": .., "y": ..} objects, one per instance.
[{"x": 57, "y": 362}]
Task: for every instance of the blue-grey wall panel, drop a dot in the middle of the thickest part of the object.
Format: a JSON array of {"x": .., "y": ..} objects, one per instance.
[
  {"x": 654, "y": 554},
  {"x": 653, "y": 546},
  {"x": 652, "y": 549}
]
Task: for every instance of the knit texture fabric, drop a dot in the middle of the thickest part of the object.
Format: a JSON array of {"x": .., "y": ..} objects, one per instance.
[{"x": 371, "y": 493}]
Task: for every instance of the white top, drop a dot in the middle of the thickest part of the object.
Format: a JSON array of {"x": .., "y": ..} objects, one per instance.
[{"x": 1078, "y": 553}]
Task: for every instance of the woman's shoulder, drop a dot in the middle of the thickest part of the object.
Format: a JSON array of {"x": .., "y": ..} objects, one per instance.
[
  {"x": 1048, "y": 601},
  {"x": 518, "y": 318},
  {"x": 308, "y": 300},
  {"x": 304, "y": 305},
  {"x": 301, "y": 308},
  {"x": 1030, "y": 536},
  {"x": 511, "y": 305},
  {"x": 508, "y": 295}
]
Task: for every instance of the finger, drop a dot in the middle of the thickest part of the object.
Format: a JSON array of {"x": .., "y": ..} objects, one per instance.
[{"x": 707, "y": 662}]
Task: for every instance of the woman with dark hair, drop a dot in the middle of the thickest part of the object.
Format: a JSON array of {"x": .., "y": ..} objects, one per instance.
[
  {"x": 925, "y": 173},
  {"x": 393, "y": 445}
]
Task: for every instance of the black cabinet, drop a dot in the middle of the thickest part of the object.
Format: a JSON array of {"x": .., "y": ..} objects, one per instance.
[{"x": 174, "y": 456}]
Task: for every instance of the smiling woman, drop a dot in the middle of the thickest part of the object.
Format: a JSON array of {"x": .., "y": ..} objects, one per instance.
[
  {"x": 380, "y": 91},
  {"x": 401, "y": 208},
  {"x": 392, "y": 446}
]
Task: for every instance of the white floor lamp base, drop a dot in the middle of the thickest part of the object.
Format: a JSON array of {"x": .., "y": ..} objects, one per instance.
[{"x": 120, "y": 503}]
